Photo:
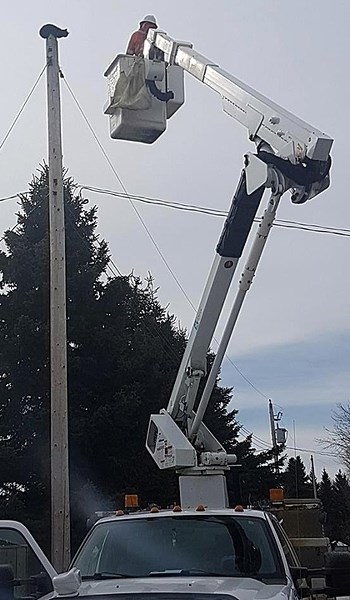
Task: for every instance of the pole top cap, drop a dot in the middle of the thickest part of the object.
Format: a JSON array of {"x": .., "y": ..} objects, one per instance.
[{"x": 50, "y": 29}]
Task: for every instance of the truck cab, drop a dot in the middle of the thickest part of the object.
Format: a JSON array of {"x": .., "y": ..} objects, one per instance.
[{"x": 197, "y": 554}]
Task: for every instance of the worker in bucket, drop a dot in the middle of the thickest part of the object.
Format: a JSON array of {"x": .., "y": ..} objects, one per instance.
[{"x": 137, "y": 40}]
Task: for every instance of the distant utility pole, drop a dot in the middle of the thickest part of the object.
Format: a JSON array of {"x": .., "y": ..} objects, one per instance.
[
  {"x": 60, "y": 510},
  {"x": 273, "y": 434}
]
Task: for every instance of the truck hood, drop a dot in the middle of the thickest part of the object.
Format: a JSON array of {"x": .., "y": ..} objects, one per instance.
[{"x": 240, "y": 588}]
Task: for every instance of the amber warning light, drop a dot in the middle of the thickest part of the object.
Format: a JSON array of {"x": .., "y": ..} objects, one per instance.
[
  {"x": 276, "y": 495},
  {"x": 131, "y": 501}
]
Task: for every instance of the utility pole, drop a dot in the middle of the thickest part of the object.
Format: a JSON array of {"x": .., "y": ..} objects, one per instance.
[
  {"x": 60, "y": 511},
  {"x": 273, "y": 434}
]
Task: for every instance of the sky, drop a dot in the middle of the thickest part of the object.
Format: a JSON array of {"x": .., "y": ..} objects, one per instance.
[{"x": 292, "y": 338}]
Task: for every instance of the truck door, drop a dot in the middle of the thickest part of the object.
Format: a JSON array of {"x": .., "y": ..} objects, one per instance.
[{"x": 25, "y": 572}]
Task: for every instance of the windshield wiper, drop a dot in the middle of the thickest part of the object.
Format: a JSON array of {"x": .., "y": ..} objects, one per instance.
[
  {"x": 263, "y": 579},
  {"x": 105, "y": 575},
  {"x": 184, "y": 572},
  {"x": 203, "y": 573}
]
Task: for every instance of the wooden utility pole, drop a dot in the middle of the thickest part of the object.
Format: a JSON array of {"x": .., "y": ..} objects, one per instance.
[
  {"x": 60, "y": 512},
  {"x": 273, "y": 435}
]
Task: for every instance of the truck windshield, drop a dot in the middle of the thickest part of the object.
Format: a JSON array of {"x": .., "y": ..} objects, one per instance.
[{"x": 182, "y": 545}]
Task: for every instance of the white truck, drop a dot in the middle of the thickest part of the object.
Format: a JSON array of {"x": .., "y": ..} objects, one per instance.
[{"x": 201, "y": 549}]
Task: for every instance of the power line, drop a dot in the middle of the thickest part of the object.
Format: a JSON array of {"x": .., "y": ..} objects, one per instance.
[
  {"x": 315, "y": 228},
  {"x": 266, "y": 445},
  {"x": 126, "y": 193},
  {"x": 23, "y": 106},
  {"x": 247, "y": 380},
  {"x": 320, "y": 452},
  {"x": 14, "y": 196}
]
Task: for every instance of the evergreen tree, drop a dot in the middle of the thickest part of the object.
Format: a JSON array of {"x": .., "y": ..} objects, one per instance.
[
  {"x": 123, "y": 354},
  {"x": 296, "y": 482},
  {"x": 335, "y": 497},
  {"x": 258, "y": 472},
  {"x": 341, "y": 510}
]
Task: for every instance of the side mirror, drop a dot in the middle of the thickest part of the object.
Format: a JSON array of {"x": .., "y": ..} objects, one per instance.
[
  {"x": 337, "y": 573},
  {"x": 67, "y": 583}
]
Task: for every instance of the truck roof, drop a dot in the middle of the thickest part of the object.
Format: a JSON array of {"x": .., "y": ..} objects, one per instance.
[{"x": 241, "y": 513}]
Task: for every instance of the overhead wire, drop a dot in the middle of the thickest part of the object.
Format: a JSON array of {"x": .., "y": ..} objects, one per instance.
[
  {"x": 315, "y": 228},
  {"x": 266, "y": 445},
  {"x": 14, "y": 196},
  {"x": 247, "y": 379},
  {"x": 23, "y": 107},
  {"x": 19, "y": 194},
  {"x": 126, "y": 193}
]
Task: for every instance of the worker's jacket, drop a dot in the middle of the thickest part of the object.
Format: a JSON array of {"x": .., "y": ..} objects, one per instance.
[{"x": 136, "y": 43}]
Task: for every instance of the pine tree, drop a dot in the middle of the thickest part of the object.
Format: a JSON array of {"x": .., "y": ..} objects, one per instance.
[
  {"x": 257, "y": 474},
  {"x": 341, "y": 510},
  {"x": 296, "y": 482},
  {"x": 327, "y": 496},
  {"x": 123, "y": 354},
  {"x": 24, "y": 336}
]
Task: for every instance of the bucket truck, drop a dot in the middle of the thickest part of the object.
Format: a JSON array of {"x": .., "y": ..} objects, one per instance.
[
  {"x": 201, "y": 549},
  {"x": 291, "y": 156}
]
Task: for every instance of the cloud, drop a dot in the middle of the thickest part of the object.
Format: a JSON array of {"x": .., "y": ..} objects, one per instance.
[
  {"x": 315, "y": 371},
  {"x": 305, "y": 381}
]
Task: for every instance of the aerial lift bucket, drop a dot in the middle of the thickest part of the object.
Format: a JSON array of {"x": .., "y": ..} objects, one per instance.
[{"x": 136, "y": 114}]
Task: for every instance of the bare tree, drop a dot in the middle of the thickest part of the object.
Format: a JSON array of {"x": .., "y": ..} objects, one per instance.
[{"x": 338, "y": 438}]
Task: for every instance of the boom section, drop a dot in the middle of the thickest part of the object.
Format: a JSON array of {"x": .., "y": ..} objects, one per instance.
[
  {"x": 288, "y": 135},
  {"x": 229, "y": 249}
]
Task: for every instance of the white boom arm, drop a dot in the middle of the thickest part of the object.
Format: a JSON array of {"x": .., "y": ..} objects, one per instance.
[
  {"x": 280, "y": 135},
  {"x": 289, "y": 136},
  {"x": 291, "y": 155}
]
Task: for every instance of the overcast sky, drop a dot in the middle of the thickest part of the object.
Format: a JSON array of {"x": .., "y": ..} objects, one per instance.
[{"x": 292, "y": 339}]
